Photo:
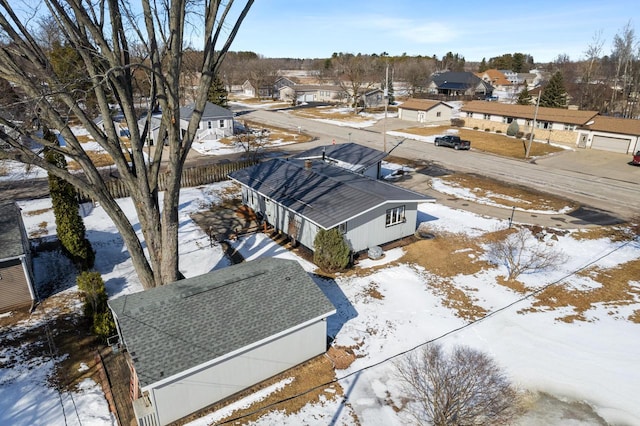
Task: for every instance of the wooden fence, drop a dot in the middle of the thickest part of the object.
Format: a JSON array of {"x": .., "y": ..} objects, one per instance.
[{"x": 192, "y": 176}]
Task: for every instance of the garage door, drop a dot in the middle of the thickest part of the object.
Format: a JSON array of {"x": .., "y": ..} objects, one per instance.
[{"x": 605, "y": 143}]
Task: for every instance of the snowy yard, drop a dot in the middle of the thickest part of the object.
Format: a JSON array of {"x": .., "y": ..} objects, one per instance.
[{"x": 592, "y": 358}]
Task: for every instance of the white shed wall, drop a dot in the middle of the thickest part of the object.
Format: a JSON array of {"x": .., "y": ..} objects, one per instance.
[{"x": 213, "y": 383}]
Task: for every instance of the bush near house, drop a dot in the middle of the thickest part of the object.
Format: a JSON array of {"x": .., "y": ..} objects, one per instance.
[
  {"x": 331, "y": 251},
  {"x": 95, "y": 303}
]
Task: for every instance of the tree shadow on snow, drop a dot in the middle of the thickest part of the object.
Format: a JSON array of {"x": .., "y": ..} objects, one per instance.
[{"x": 344, "y": 308}]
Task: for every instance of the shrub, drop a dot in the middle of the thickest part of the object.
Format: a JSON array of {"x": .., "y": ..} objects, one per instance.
[
  {"x": 520, "y": 135},
  {"x": 513, "y": 129},
  {"x": 95, "y": 303},
  {"x": 475, "y": 128},
  {"x": 487, "y": 130},
  {"x": 498, "y": 131},
  {"x": 331, "y": 251},
  {"x": 527, "y": 136}
]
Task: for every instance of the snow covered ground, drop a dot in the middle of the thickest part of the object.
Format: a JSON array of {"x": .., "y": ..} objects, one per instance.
[{"x": 592, "y": 361}]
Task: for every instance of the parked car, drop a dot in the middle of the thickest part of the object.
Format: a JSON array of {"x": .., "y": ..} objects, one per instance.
[
  {"x": 636, "y": 159},
  {"x": 452, "y": 141}
]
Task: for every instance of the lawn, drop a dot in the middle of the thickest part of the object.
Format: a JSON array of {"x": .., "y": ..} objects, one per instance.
[{"x": 494, "y": 143}]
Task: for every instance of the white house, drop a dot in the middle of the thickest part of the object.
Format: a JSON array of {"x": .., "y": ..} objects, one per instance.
[
  {"x": 197, "y": 341},
  {"x": 425, "y": 111}
]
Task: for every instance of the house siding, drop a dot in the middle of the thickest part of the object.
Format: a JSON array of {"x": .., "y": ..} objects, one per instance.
[
  {"x": 370, "y": 229},
  {"x": 14, "y": 287},
  {"x": 180, "y": 397},
  {"x": 555, "y": 134},
  {"x": 426, "y": 116}
]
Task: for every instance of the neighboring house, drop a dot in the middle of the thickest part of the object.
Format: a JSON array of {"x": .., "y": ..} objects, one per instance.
[
  {"x": 498, "y": 79},
  {"x": 266, "y": 91},
  {"x": 311, "y": 93},
  {"x": 610, "y": 134},
  {"x": 453, "y": 83},
  {"x": 556, "y": 125},
  {"x": 216, "y": 122},
  {"x": 372, "y": 98},
  {"x": 425, "y": 111},
  {"x": 350, "y": 156},
  {"x": 300, "y": 197},
  {"x": 197, "y": 341},
  {"x": 16, "y": 270}
]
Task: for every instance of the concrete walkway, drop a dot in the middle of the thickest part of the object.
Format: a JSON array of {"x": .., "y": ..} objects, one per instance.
[{"x": 583, "y": 217}]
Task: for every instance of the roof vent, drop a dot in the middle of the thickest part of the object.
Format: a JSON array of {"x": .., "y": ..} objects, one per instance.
[{"x": 307, "y": 164}]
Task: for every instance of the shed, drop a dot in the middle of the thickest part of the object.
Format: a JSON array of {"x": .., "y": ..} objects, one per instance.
[
  {"x": 16, "y": 271},
  {"x": 197, "y": 341}
]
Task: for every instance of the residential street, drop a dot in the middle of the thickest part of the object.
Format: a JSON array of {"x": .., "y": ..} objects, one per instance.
[{"x": 599, "y": 179}]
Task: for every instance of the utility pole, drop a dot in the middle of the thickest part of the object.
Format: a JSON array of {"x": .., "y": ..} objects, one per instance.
[
  {"x": 386, "y": 103},
  {"x": 533, "y": 127}
]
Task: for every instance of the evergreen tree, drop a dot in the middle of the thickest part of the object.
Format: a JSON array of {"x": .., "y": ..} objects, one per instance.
[
  {"x": 218, "y": 93},
  {"x": 524, "y": 98},
  {"x": 554, "y": 95},
  {"x": 483, "y": 65},
  {"x": 69, "y": 224},
  {"x": 331, "y": 251}
]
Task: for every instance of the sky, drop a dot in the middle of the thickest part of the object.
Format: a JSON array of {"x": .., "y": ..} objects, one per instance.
[
  {"x": 590, "y": 364},
  {"x": 543, "y": 29}
]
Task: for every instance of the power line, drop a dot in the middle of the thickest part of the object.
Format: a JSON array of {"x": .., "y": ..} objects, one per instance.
[{"x": 435, "y": 339}]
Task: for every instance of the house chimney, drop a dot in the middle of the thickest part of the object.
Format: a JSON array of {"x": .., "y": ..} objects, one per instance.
[{"x": 307, "y": 164}]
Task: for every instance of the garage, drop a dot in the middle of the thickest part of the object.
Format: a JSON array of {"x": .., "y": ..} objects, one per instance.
[
  {"x": 306, "y": 97},
  {"x": 608, "y": 143}
]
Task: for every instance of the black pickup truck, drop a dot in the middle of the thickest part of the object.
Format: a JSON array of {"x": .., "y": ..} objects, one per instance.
[{"x": 452, "y": 141}]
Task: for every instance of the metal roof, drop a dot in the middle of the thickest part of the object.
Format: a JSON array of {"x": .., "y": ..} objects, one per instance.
[
  {"x": 324, "y": 194},
  {"x": 11, "y": 245},
  {"x": 185, "y": 324},
  {"x": 359, "y": 157}
]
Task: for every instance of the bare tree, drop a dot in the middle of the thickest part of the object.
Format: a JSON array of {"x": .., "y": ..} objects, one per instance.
[
  {"x": 624, "y": 44},
  {"x": 252, "y": 142},
  {"x": 522, "y": 252},
  {"x": 104, "y": 34},
  {"x": 415, "y": 73},
  {"x": 356, "y": 74},
  {"x": 464, "y": 388}
]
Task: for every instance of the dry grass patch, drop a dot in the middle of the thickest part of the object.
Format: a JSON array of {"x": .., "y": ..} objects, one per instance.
[
  {"x": 494, "y": 143},
  {"x": 308, "y": 375},
  {"x": 40, "y": 232},
  {"x": 278, "y": 133},
  {"x": 615, "y": 290},
  {"x": 36, "y": 212},
  {"x": 446, "y": 255},
  {"x": 508, "y": 195},
  {"x": 615, "y": 233},
  {"x": 100, "y": 159}
]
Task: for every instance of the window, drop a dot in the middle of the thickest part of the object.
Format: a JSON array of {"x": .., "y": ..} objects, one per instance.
[
  {"x": 208, "y": 124},
  {"x": 507, "y": 120},
  {"x": 469, "y": 114},
  {"x": 438, "y": 114},
  {"x": 543, "y": 125},
  {"x": 395, "y": 216},
  {"x": 343, "y": 228},
  {"x": 569, "y": 126},
  {"x": 221, "y": 124},
  {"x": 487, "y": 116}
]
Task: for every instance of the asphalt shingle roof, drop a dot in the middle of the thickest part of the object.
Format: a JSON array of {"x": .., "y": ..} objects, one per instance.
[
  {"x": 211, "y": 110},
  {"x": 361, "y": 157},
  {"x": 556, "y": 115},
  {"x": 421, "y": 104},
  {"x": 10, "y": 231},
  {"x": 625, "y": 126},
  {"x": 181, "y": 325},
  {"x": 325, "y": 194}
]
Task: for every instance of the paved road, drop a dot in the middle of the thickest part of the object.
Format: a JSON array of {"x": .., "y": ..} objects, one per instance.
[{"x": 600, "y": 180}]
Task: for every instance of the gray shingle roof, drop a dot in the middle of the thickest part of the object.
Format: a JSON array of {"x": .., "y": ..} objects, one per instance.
[
  {"x": 181, "y": 325},
  {"x": 325, "y": 194},
  {"x": 10, "y": 231},
  {"x": 361, "y": 157},
  {"x": 211, "y": 111}
]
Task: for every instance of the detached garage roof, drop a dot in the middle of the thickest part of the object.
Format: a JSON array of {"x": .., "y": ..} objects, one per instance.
[
  {"x": 182, "y": 325},
  {"x": 11, "y": 244},
  {"x": 324, "y": 194},
  {"x": 350, "y": 156},
  {"x": 623, "y": 126},
  {"x": 555, "y": 115},
  {"x": 421, "y": 104}
]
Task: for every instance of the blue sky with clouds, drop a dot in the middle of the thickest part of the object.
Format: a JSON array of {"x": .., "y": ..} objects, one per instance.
[{"x": 542, "y": 28}]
